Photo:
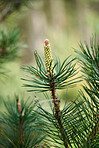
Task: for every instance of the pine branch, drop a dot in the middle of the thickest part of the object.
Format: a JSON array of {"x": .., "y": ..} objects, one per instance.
[
  {"x": 55, "y": 100},
  {"x": 41, "y": 77},
  {"x": 20, "y": 126},
  {"x": 47, "y": 77},
  {"x": 9, "y": 47},
  {"x": 89, "y": 59}
]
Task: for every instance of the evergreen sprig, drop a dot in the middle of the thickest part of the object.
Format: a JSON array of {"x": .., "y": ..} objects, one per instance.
[
  {"x": 49, "y": 77},
  {"x": 62, "y": 75},
  {"x": 89, "y": 60},
  {"x": 9, "y": 47},
  {"x": 20, "y": 127}
]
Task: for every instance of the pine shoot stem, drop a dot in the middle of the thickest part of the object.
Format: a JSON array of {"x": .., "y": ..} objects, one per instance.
[{"x": 58, "y": 114}]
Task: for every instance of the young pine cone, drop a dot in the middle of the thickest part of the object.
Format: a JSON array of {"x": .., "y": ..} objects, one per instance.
[{"x": 48, "y": 57}]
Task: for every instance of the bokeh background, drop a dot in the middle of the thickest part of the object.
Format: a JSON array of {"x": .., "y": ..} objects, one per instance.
[{"x": 64, "y": 22}]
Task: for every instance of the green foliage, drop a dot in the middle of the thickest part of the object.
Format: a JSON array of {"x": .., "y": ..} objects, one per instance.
[
  {"x": 78, "y": 119},
  {"x": 20, "y": 127},
  {"x": 76, "y": 125},
  {"x": 41, "y": 81},
  {"x": 89, "y": 59},
  {"x": 9, "y": 47}
]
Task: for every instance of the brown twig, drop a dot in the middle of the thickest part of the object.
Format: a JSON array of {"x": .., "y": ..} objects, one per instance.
[
  {"x": 58, "y": 113},
  {"x": 5, "y": 13}
]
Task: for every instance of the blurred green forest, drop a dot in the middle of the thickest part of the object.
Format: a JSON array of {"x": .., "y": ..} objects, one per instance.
[{"x": 63, "y": 22}]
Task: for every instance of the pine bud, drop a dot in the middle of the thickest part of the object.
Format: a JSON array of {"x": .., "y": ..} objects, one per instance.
[
  {"x": 19, "y": 108},
  {"x": 48, "y": 56}
]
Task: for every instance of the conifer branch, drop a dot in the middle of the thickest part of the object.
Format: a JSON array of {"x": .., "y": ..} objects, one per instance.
[
  {"x": 56, "y": 102},
  {"x": 20, "y": 126},
  {"x": 89, "y": 59},
  {"x": 50, "y": 76}
]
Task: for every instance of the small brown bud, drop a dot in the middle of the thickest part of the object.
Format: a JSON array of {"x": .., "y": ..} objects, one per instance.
[
  {"x": 19, "y": 108},
  {"x": 46, "y": 42}
]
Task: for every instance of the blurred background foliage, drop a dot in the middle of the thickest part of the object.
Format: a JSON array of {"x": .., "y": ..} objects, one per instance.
[{"x": 63, "y": 22}]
